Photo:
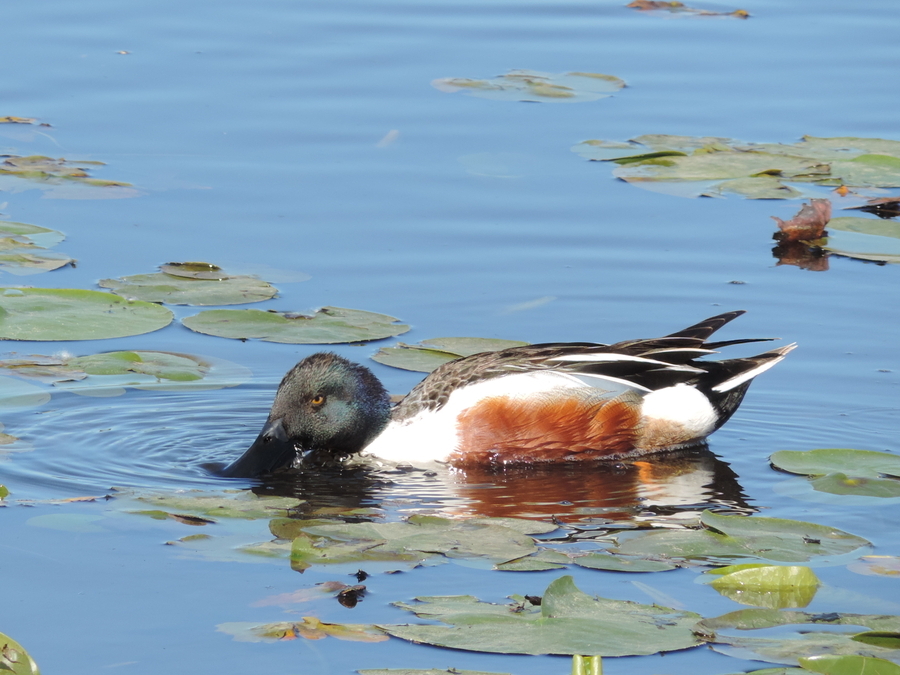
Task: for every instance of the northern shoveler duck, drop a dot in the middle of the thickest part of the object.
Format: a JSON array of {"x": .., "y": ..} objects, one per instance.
[{"x": 557, "y": 402}]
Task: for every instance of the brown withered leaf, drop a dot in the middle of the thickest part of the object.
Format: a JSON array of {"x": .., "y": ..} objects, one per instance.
[
  {"x": 883, "y": 207},
  {"x": 11, "y": 119},
  {"x": 681, "y": 8},
  {"x": 809, "y": 223}
]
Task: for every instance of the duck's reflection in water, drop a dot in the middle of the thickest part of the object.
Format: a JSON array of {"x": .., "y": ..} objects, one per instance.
[{"x": 674, "y": 484}]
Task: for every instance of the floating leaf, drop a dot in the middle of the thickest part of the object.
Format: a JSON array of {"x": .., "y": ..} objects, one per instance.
[
  {"x": 674, "y": 7},
  {"x": 769, "y": 586},
  {"x": 227, "y": 504},
  {"x": 566, "y": 622},
  {"x": 15, "y": 659},
  {"x": 50, "y": 314},
  {"x": 803, "y": 640},
  {"x": 10, "y": 119},
  {"x": 429, "y": 354},
  {"x": 864, "y": 238},
  {"x": 49, "y": 172},
  {"x": 429, "y": 671},
  {"x": 880, "y": 565},
  {"x": 879, "y": 639},
  {"x": 310, "y": 628},
  {"x": 615, "y": 563},
  {"x": 23, "y": 249},
  {"x": 714, "y": 163},
  {"x": 430, "y": 535},
  {"x": 530, "y": 85},
  {"x": 329, "y": 325},
  {"x": 192, "y": 284},
  {"x": 849, "y": 665},
  {"x": 729, "y": 537},
  {"x": 4, "y": 492},
  {"x": 16, "y": 235},
  {"x": 545, "y": 559},
  {"x": 823, "y": 461}
]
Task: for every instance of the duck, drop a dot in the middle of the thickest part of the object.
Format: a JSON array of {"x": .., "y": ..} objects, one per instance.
[{"x": 540, "y": 403}]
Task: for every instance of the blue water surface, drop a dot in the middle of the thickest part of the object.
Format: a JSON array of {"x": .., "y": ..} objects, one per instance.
[{"x": 293, "y": 138}]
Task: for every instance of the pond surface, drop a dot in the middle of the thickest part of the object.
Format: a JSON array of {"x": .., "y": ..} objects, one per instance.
[{"x": 289, "y": 139}]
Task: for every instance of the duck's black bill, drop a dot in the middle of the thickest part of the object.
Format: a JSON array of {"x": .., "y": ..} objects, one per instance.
[{"x": 270, "y": 452}]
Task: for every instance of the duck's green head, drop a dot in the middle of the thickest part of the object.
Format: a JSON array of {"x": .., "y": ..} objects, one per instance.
[{"x": 326, "y": 408}]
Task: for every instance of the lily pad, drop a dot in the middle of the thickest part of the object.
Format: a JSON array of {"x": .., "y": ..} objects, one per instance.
[
  {"x": 769, "y": 586},
  {"x": 429, "y": 354},
  {"x": 864, "y": 238},
  {"x": 429, "y": 671},
  {"x": 23, "y": 249},
  {"x": 844, "y": 471},
  {"x": 567, "y": 621},
  {"x": 329, "y": 325},
  {"x": 227, "y": 504},
  {"x": 530, "y": 85},
  {"x": 49, "y": 314},
  {"x": 679, "y": 8},
  {"x": 849, "y": 665},
  {"x": 615, "y": 563},
  {"x": 877, "y": 565},
  {"x": 727, "y": 165},
  {"x": 429, "y": 535},
  {"x": 733, "y": 537},
  {"x": 310, "y": 628},
  {"x": 55, "y": 171},
  {"x": 14, "y": 658},
  {"x": 192, "y": 284}
]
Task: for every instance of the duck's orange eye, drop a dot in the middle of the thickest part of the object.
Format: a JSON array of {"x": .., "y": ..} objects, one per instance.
[{"x": 317, "y": 400}]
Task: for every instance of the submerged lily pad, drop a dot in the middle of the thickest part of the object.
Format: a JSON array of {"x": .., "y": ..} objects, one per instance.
[
  {"x": 716, "y": 164},
  {"x": 189, "y": 285},
  {"x": 864, "y": 238},
  {"x": 567, "y": 621},
  {"x": 878, "y": 565},
  {"x": 807, "y": 639},
  {"x": 429, "y": 354},
  {"x": 530, "y": 85},
  {"x": 14, "y": 658},
  {"x": 615, "y": 563},
  {"x": 15, "y": 394},
  {"x": 844, "y": 471},
  {"x": 49, "y": 314},
  {"x": 50, "y": 173},
  {"x": 16, "y": 235},
  {"x": 329, "y": 325},
  {"x": 769, "y": 586},
  {"x": 731, "y": 537}
]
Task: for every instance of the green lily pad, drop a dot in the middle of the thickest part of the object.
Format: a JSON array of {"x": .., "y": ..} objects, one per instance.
[
  {"x": 4, "y": 492},
  {"x": 567, "y": 621},
  {"x": 769, "y": 586},
  {"x": 429, "y": 354},
  {"x": 544, "y": 559},
  {"x": 189, "y": 285},
  {"x": 455, "y": 539},
  {"x": 615, "y": 563},
  {"x": 864, "y": 238},
  {"x": 309, "y": 628},
  {"x": 805, "y": 640},
  {"x": 23, "y": 249},
  {"x": 732, "y": 537},
  {"x": 15, "y": 659},
  {"x": 329, "y": 325},
  {"x": 849, "y": 665},
  {"x": 530, "y": 85},
  {"x": 879, "y": 639},
  {"x": 226, "y": 504},
  {"x": 823, "y": 461},
  {"x": 16, "y": 235},
  {"x": 54, "y": 175},
  {"x": 48, "y": 314},
  {"x": 15, "y": 394},
  {"x": 756, "y": 170},
  {"x": 429, "y": 671},
  {"x": 844, "y": 471}
]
